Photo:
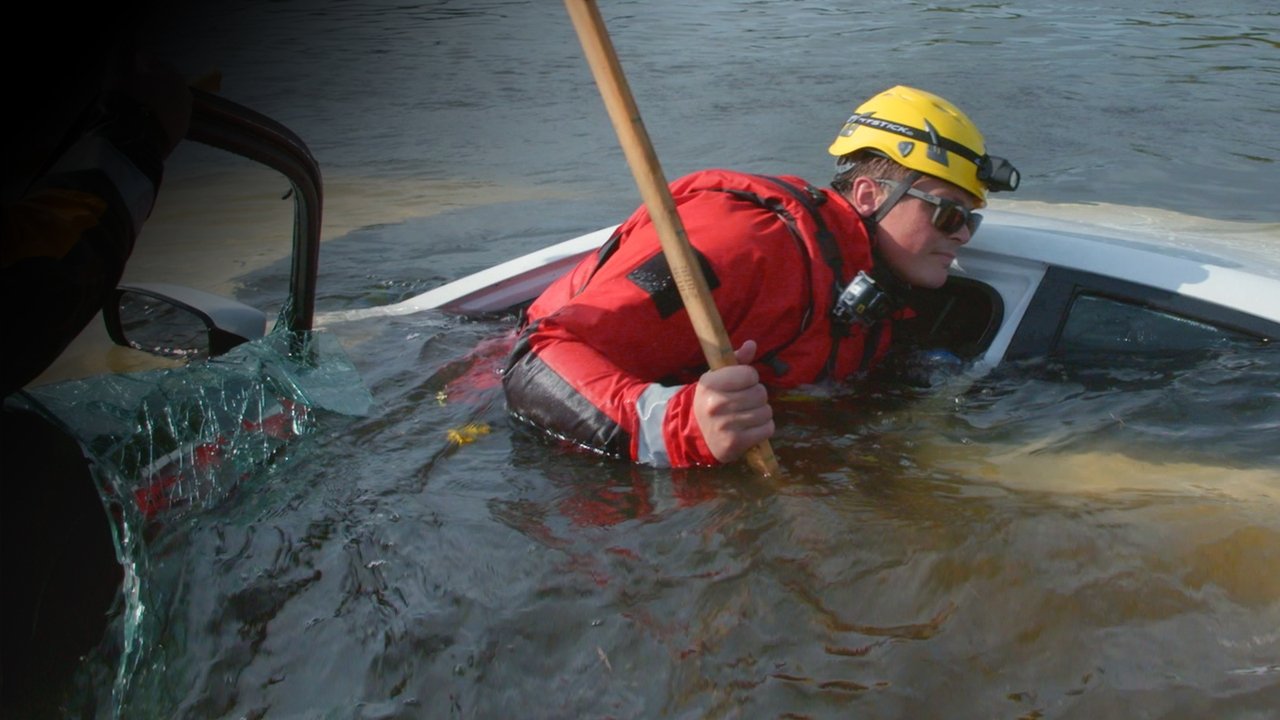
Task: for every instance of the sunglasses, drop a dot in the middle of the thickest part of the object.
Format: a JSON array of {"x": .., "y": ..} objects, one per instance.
[{"x": 948, "y": 215}]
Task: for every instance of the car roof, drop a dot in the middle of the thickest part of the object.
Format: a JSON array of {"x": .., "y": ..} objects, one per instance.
[{"x": 1232, "y": 266}]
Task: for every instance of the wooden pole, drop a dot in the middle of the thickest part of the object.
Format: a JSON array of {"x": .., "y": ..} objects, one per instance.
[{"x": 643, "y": 161}]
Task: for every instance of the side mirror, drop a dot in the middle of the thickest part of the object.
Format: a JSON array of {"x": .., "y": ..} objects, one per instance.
[{"x": 179, "y": 322}]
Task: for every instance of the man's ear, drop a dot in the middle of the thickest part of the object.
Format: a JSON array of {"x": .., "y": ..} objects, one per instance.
[{"x": 865, "y": 194}]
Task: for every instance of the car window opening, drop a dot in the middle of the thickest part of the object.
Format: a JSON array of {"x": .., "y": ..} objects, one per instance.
[{"x": 962, "y": 317}]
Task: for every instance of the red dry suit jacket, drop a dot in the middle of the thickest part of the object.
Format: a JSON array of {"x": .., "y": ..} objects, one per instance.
[{"x": 608, "y": 359}]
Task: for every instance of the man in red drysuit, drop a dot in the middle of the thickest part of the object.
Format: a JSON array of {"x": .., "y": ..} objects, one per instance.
[{"x": 807, "y": 281}]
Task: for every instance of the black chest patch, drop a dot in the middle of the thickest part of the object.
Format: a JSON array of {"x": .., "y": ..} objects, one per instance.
[{"x": 654, "y": 277}]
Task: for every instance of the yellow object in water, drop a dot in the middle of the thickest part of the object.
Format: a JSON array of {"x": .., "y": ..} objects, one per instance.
[{"x": 468, "y": 433}]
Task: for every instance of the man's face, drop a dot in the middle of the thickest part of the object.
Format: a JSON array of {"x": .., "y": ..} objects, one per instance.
[{"x": 915, "y": 250}]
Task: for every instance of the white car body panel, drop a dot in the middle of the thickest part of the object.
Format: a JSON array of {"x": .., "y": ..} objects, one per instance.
[
  {"x": 1012, "y": 254},
  {"x": 1214, "y": 271}
]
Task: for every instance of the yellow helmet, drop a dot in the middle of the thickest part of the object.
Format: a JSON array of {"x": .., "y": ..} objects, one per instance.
[{"x": 928, "y": 134}]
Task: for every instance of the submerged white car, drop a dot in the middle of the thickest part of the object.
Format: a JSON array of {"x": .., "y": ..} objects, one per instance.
[{"x": 1025, "y": 286}]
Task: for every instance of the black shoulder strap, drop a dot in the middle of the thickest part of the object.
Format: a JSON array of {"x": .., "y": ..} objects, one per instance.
[
  {"x": 605, "y": 252},
  {"x": 810, "y": 198}
]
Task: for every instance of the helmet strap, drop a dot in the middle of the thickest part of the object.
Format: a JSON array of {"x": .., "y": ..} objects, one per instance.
[
  {"x": 894, "y": 286},
  {"x": 898, "y": 193}
]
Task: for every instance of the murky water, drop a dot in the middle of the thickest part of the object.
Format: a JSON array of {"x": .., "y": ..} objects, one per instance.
[{"x": 1045, "y": 541}]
